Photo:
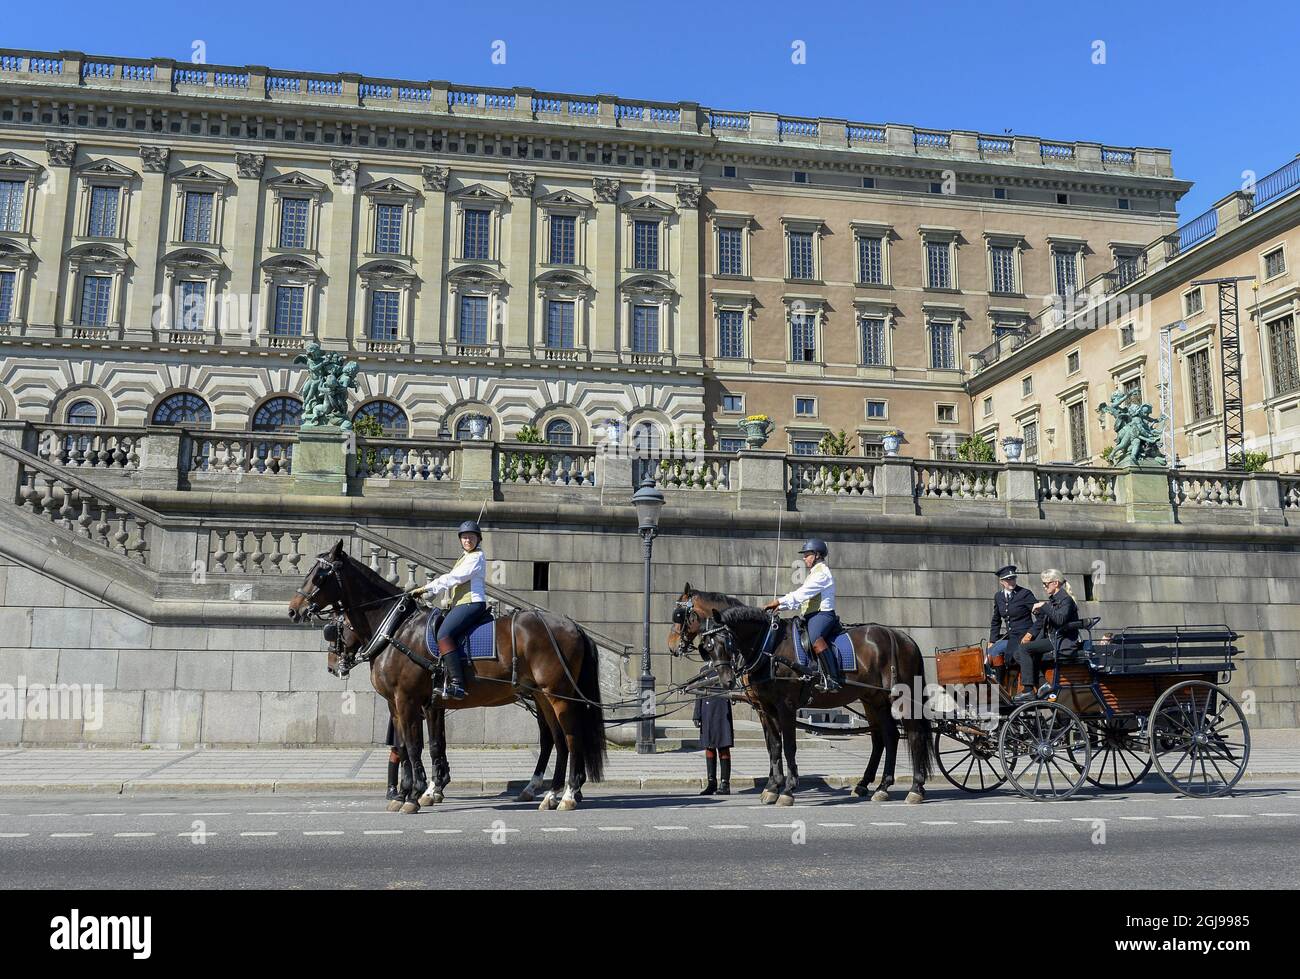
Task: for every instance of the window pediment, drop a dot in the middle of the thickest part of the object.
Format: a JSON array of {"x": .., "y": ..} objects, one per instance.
[
  {"x": 647, "y": 285},
  {"x": 478, "y": 193},
  {"x": 564, "y": 198},
  {"x": 386, "y": 271},
  {"x": 201, "y": 175},
  {"x": 12, "y": 163},
  {"x": 647, "y": 206},
  {"x": 12, "y": 248},
  {"x": 389, "y": 187},
  {"x": 192, "y": 258},
  {"x": 106, "y": 168},
  {"x": 562, "y": 280},
  {"x": 291, "y": 264},
  {"x": 476, "y": 275},
  {"x": 295, "y": 180},
  {"x": 98, "y": 252}
]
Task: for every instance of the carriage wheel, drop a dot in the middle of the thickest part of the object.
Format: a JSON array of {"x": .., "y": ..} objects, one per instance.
[
  {"x": 1199, "y": 739},
  {"x": 1045, "y": 750},
  {"x": 969, "y": 760},
  {"x": 1121, "y": 755}
]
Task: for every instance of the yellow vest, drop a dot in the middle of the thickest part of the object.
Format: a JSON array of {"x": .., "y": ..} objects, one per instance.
[
  {"x": 460, "y": 594},
  {"x": 811, "y": 605}
]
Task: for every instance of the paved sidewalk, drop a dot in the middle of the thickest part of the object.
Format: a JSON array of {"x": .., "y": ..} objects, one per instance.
[{"x": 836, "y": 762}]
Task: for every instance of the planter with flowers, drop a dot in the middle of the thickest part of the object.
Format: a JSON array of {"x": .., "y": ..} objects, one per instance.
[{"x": 757, "y": 428}]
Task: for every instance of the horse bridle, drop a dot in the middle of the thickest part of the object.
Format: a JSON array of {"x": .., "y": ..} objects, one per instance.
[{"x": 314, "y": 611}]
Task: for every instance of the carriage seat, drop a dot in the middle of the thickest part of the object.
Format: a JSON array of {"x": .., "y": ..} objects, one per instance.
[{"x": 1079, "y": 654}]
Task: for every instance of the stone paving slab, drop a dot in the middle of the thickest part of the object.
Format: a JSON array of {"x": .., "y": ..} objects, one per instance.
[{"x": 833, "y": 762}]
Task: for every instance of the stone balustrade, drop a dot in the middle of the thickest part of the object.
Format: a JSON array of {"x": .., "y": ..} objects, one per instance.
[{"x": 243, "y": 462}]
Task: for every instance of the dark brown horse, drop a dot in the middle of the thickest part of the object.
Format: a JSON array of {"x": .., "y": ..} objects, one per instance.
[
  {"x": 541, "y": 656},
  {"x": 731, "y": 637}
]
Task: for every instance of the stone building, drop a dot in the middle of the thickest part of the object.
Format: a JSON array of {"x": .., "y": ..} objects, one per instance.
[
  {"x": 1045, "y": 384},
  {"x": 171, "y": 234}
]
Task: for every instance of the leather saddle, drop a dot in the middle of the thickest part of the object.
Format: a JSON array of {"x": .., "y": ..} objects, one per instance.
[{"x": 805, "y": 656}]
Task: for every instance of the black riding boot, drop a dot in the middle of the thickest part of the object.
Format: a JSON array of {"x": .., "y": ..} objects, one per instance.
[
  {"x": 392, "y": 780},
  {"x": 711, "y": 764},
  {"x": 725, "y": 787},
  {"x": 454, "y": 688},
  {"x": 824, "y": 654}
]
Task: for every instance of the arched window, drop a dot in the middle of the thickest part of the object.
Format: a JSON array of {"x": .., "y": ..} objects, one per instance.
[
  {"x": 182, "y": 409},
  {"x": 83, "y": 413},
  {"x": 390, "y": 417},
  {"x": 465, "y": 427},
  {"x": 281, "y": 414},
  {"x": 559, "y": 432}
]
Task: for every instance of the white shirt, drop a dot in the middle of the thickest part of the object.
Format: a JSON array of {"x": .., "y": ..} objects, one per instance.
[
  {"x": 819, "y": 582},
  {"x": 471, "y": 567}
]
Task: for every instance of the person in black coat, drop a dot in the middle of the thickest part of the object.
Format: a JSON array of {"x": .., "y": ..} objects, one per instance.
[
  {"x": 1012, "y": 616},
  {"x": 1053, "y": 629},
  {"x": 713, "y": 718}
]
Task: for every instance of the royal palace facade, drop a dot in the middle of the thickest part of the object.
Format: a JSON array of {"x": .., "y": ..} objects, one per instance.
[{"x": 171, "y": 234}]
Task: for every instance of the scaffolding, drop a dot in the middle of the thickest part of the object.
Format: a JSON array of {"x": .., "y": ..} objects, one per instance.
[
  {"x": 1234, "y": 418},
  {"x": 1165, "y": 389}
]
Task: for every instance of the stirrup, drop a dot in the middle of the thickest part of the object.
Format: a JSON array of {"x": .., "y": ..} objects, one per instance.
[{"x": 453, "y": 691}]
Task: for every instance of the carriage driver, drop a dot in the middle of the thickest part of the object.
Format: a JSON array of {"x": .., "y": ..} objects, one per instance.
[
  {"x": 815, "y": 599},
  {"x": 1012, "y": 605},
  {"x": 465, "y": 582}
]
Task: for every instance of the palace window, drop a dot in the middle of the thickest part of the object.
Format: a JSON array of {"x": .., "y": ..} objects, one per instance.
[
  {"x": 804, "y": 447},
  {"x": 385, "y": 313},
  {"x": 1126, "y": 268},
  {"x": 103, "y": 212},
  {"x": 282, "y": 414},
  {"x": 559, "y": 324},
  {"x": 731, "y": 333},
  {"x": 877, "y": 409},
  {"x": 730, "y": 445},
  {"x": 390, "y": 417},
  {"x": 12, "y": 198},
  {"x": 938, "y": 265},
  {"x": 473, "y": 326},
  {"x": 1002, "y": 259},
  {"x": 478, "y": 234},
  {"x": 197, "y": 224},
  {"x": 805, "y": 407},
  {"x": 1193, "y": 302},
  {"x": 947, "y": 414},
  {"x": 943, "y": 348},
  {"x": 8, "y": 288},
  {"x": 563, "y": 239},
  {"x": 294, "y": 212},
  {"x": 1065, "y": 264},
  {"x": 193, "y": 305},
  {"x": 871, "y": 260},
  {"x": 645, "y": 329},
  {"x": 1027, "y": 385},
  {"x": 1274, "y": 263},
  {"x": 388, "y": 229},
  {"x": 1202, "y": 385},
  {"x": 1282, "y": 356},
  {"x": 733, "y": 403},
  {"x": 289, "y": 303},
  {"x": 873, "y": 341},
  {"x": 1029, "y": 432},
  {"x": 731, "y": 251},
  {"x": 802, "y": 265},
  {"x": 182, "y": 409},
  {"x": 1078, "y": 432},
  {"x": 559, "y": 432},
  {"x": 96, "y": 291},
  {"x": 803, "y": 337},
  {"x": 645, "y": 245},
  {"x": 464, "y": 431}
]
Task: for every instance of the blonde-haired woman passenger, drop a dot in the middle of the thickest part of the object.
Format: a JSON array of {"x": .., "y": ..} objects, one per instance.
[{"x": 1055, "y": 627}]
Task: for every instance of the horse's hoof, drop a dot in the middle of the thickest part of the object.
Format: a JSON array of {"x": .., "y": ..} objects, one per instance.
[
  {"x": 394, "y": 805},
  {"x": 548, "y": 803},
  {"x": 427, "y": 798},
  {"x": 915, "y": 797},
  {"x": 767, "y": 798},
  {"x": 527, "y": 795},
  {"x": 880, "y": 795},
  {"x": 410, "y": 807},
  {"x": 567, "y": 805},
  {"x": 578, "y": 795},
  {"x": 785, "y": 800},
  {"x": 861, "y": 789}
]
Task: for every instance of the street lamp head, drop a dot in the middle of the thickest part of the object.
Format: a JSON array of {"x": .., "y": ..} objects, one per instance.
[{"x": 648, "y": 502}]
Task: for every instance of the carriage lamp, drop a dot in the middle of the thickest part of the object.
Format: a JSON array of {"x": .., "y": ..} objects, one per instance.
[{"x": 648, "y": 502}]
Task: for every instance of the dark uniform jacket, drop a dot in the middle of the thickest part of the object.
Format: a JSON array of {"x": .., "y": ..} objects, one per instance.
[
  {"x": 1013, "y": 607},
  {"x": 713, "y": 714},
  {"x": 1054, "y": 616}
]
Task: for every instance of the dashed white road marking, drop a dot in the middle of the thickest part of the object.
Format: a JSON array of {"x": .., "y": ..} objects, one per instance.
[
  {"x": 559, "y": 829},
  {"x": 616, "y": 829},
  {"x": 103, "y": 814},
  {"x": 837, "y": 825},
  {"x": 889, "y": 824},
  {"x": 1184, "y": 817},
  {"x": 1040, "y": 820},
  {"x": 937, "y": 822},
  {"x": 728, "y": 826},
  {"x": 132, "y": 835},
  {"x": 260, "y": 833},
  {"x": 13, "y": 836},
  {"x": 322, "y": 832},
  {"x": 1231, "y": 815},
  {"x": 667, "y": 828},
  {"x": 157, "y": 814},
  {"x": 1139, "y": 818},
  {"x": 441, "y": 832},
  {"x": 68, "y": 836},
  {"x": 202, "y": 834},
  {"x": 210, "y": 814},
  {"x": 1277, "y": 814},
  {"x": 382, "y": 832},
  {"x": 992, "y": 822}
]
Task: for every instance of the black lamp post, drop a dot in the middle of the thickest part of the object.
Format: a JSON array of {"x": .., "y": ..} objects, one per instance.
[{"x": 648, "y": 502}]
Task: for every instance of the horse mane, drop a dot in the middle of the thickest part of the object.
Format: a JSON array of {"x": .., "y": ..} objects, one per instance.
[
  {"x": 718, "y": 598},
  {"x": 371, "y": 577},
  {"x": 741, "y": 614}
]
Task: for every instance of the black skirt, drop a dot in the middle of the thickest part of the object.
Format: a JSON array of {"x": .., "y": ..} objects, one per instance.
[{"x": 714, "y": 715}]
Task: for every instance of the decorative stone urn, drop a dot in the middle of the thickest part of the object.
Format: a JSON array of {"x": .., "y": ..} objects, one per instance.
[
  {"x": 477, "y": 427},
  {"x": 757, "y": 428},
  {"x": 891, "y": 442},
  {"x": 1012, "y": 447}
]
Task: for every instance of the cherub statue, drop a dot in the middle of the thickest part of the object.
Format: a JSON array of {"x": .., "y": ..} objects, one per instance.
[
  {"x": 325, "y": 394},
  {"x": 1137, "y": 436}
]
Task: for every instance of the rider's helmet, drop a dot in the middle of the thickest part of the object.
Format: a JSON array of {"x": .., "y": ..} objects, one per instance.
[
  {"x": 815, "y": 545},
  {"x": 470, "y": 527}
]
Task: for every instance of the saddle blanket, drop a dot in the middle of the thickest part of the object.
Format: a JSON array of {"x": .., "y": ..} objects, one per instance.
[
  {"x": 479, "y": 644},
  {"x": 843, "y": 648}
]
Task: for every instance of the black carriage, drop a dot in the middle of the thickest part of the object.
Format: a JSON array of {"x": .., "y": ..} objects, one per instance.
[{"x": 1108, "y": 712}]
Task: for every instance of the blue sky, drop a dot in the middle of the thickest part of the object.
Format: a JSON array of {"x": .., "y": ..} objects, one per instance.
[{"x": 1213, "y": 82}]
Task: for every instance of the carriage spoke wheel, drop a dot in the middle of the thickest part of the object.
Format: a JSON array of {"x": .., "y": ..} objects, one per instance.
[
  {"x": 1121, "y": 755},
  {"x": 1045, "y": 751},
  {"x": 969, "y": 758},
  {"x": 1199, "y": 739}
]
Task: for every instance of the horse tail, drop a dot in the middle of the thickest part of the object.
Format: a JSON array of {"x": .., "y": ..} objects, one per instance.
[
  {"x": 920, "y": 734},
  {"x": 591, "y": 716}
]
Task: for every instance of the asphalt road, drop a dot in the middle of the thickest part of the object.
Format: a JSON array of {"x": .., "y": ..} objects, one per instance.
[{"x": 630, "y": 839}]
